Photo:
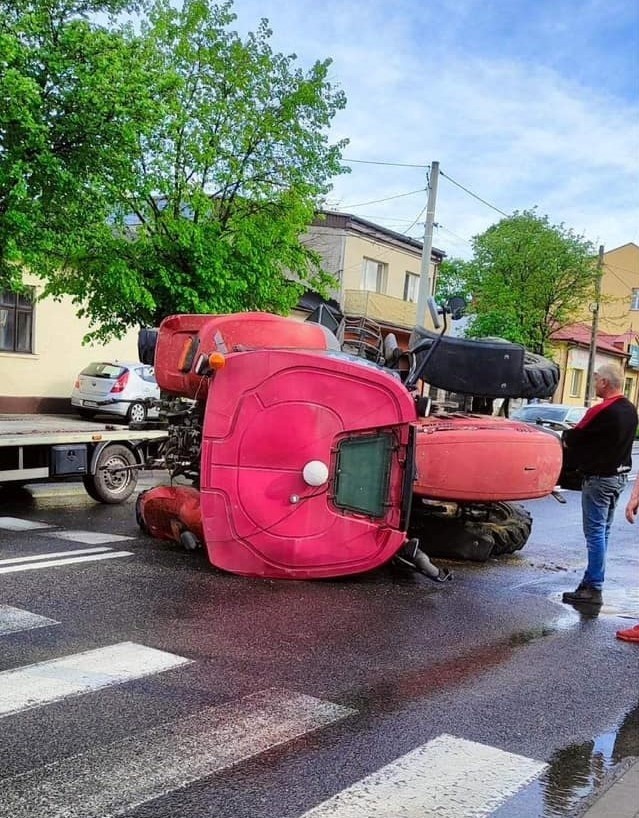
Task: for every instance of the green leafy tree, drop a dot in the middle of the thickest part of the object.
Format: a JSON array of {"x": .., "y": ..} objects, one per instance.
[
  {"x": 222, "y": 185},
  {"x": 527, "y": 278},
  {"x": 72, "y": 94},
  {"x": 452, "y": 280}
]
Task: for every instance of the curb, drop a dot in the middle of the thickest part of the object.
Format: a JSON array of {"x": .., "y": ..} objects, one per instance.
[{"x": 620, "y": 799}]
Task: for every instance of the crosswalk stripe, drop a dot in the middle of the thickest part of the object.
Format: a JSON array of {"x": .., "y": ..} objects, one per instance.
[
  {"x": 30, "y": 686},
  {"x": 110, "y": 780},
  {"x": 53, "y": 555},
  {"x": 447, "y": 777},
  {"x": 18, "y": 524},
  {"x": 13, "y": 620},
  {"x": 33, "y": 563},
  {"x": 87, "y": 537}
]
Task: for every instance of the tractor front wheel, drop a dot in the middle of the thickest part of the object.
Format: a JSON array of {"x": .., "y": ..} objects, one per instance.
[{"x": 501, "y": 528}]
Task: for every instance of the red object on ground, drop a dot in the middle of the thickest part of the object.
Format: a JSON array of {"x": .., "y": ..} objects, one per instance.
[
  {"x": 629, "y": 634},
  {"x": 484, "y": 459},
  {"x": 269, "y": 415},
  {"x": 165, "y": 512}
]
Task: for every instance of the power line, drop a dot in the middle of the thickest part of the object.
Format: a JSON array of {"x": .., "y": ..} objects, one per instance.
[
  {"x": 389, "y": 164},
  {"x": 461, "y": 238},
  {"x": 387, "y": 199},
  {"x": 419, "y": 215},
  {"x": 474, "y": 195}
]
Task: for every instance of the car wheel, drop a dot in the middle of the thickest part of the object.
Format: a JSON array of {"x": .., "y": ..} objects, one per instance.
[
  {"x": 136, "y": 413},
  {"x": 87, "y": 414},
  {"x": 114, "y": 481}
]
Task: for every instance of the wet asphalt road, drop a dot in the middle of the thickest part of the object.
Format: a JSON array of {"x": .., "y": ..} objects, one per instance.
[{"x": 492, "y": 657}]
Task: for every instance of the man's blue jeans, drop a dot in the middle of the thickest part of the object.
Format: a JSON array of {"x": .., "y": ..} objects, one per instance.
[{"x": 599, "y": 497}]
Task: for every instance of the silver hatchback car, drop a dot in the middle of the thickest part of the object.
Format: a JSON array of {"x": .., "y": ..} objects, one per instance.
[{"x": 116, "y": 388}]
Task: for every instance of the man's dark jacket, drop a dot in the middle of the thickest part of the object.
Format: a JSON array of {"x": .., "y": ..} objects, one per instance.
[{"x": 601, "y": 443}]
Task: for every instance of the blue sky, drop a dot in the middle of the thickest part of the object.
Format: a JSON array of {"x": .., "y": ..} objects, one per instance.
[{"x": 527, "y": 104}]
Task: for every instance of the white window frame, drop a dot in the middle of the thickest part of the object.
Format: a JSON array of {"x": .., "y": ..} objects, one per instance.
[
  {"x": 411, "y": 287},
  {"x": 628, "y": 387},
  {"x": 576, "y": 382},
  {"x": 634, "y": 299},
  {"x": 17, "y": 310},
  {"x": 374, "y": 269}
]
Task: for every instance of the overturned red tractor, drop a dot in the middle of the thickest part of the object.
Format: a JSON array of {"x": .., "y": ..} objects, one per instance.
[{"x": 306, "y": 462}]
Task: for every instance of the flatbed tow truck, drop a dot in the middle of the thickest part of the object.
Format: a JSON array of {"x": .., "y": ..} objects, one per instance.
[{"x": 106, "y": 456}]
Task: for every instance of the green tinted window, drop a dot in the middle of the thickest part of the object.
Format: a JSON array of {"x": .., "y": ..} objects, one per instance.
[{"x": 363, "y": 474}]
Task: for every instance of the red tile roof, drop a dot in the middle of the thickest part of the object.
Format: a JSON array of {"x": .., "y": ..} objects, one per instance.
[{"x": 581, "y": 333}]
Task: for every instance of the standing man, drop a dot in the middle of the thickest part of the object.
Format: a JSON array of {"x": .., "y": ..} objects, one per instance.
[
  {"x": 632, "y": 507},
  {"x": 600, "y": 447}
]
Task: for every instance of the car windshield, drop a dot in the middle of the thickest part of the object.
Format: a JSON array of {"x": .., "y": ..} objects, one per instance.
[
  {"x": 550, "y": 412},
  {"x": 104, "y": 370},
  {"x": 576, "y": 414}
]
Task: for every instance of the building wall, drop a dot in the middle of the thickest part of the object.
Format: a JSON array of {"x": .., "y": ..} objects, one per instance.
[
  {"x": 574, "y": 359},
  {"x": 397, "y": 262},
  {"x": 620, "y": 276},
  {"x": 42, "y": 380},
  {"x": 343, "y": 253}
]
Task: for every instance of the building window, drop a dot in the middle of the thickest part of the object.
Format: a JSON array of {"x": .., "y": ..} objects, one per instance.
[
  {"x": 374, "y": 274},
  {"x": 411, "y": 287},
  {"x": 627, "y": 388},
  {"x": 16, "y": 321},
  {"x": 576, "y": 383},
  {"x": 634, "y": 299}
]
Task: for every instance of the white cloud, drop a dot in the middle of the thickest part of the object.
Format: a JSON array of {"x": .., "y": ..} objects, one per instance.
[{"x": 501, "y": 94}]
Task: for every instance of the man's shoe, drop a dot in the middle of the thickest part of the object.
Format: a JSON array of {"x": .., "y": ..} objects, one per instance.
[
  {"x": 592, "y": 596},
  {"x": 629, "y": 634}
]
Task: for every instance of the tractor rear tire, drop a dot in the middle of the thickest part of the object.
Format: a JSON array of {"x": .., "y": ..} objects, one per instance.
[{"x": 540, "y": 376}]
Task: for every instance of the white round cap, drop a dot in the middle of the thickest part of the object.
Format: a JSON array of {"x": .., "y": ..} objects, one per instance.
[{"x": 315, "y": 473}]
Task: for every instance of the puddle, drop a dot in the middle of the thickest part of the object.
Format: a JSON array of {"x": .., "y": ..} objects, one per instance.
[
  {"x": 575, "y": 772},
  {"x": 622, "y": 602}
]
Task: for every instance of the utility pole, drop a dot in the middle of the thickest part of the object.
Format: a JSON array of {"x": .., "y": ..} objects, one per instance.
[
  {"x": 425, "y": 283},
  {"x": 593, "y": 330}
]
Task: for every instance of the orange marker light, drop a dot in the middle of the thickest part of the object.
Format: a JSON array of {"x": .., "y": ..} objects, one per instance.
[
  {"x": 186, "y": 356},
  {"x": 217, "y": 360}
]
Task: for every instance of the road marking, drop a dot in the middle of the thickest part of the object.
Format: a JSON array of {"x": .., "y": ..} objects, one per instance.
[
  {"x": 117, "y": 778},
  {"x": 16, "y": 524},
  {"x": 448, "y": 777},
  {"x": 53, "y": 560},
  {"x": 13, "y": 620},
  {"x": 30, "y": 686},
  {"x": 88, "y": 537}
]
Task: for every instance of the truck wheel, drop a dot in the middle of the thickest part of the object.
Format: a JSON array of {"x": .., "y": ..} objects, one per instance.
[
  {"x": 112, "y": 481},
  {"x": 540, "y": 376}
]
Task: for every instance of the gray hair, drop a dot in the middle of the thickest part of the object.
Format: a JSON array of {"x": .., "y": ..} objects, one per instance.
[{"x": 612, "y": 373}]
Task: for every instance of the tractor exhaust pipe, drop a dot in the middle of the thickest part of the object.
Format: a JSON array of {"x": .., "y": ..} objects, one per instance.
[{"x": 411, "y": 554}]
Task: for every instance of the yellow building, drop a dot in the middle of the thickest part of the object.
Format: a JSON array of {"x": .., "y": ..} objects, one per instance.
[
  {"x": 41, "y": 351},
  {"x": 617, "y": 330},
  {"x": 378, "y": 269}
]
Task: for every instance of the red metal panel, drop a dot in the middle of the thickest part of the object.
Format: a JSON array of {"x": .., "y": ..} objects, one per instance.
[
  {"x": 484, "y": 459},
  {"x": 226, "y": 333},
  {"x": 269, "y": 413}
]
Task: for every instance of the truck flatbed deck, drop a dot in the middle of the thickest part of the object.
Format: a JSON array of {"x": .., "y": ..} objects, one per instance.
[{"x": 107, "y": 456}]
